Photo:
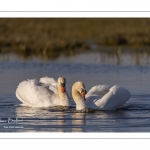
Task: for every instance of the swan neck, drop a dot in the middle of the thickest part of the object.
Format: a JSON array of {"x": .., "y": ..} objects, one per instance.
[{"x": 64, "y": 98}]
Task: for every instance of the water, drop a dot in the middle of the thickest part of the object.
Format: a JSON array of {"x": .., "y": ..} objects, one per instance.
[{"x": 130, "y": 71}]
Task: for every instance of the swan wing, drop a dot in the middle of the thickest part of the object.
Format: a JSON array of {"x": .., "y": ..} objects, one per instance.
[
  {"x": 31, "y": 94},
  {"x": 50, "y": 82},
  {"x": 98, "y": 90},
  {"x": 116, "y": 97}
]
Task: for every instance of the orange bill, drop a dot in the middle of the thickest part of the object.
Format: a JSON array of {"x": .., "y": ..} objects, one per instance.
[
  {"x": 63, "y": 89},
  {"x": 83, "y": 95}
]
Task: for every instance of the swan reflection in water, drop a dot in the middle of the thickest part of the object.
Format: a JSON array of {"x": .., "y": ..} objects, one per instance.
[
  {"x": 53, "y": 120},
  {"x": 61, "y": 122},
  {"x": 78, "y": 122},
  {"x": 42, "y": 119}
]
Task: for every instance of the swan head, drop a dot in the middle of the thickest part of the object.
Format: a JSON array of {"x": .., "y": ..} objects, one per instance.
[
  {"x": 80, "y": 87},
  {"x": 62, "y": 84}
]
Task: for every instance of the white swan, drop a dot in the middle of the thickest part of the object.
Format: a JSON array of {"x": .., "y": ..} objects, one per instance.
[
  {"x": 50, "y": 93},
  {"x": 100, "y": 97}
]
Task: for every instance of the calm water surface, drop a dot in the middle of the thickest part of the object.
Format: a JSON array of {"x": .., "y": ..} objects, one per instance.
[{"x": 130, "y": 71}]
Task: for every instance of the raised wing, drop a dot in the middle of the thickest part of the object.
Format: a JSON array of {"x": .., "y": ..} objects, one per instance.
[
  {"x": 98, "y": 90},
  {"x": 50, "y": 82},
  {"x": 31, "y": 94},
  {"x": 116, "y": 97}
]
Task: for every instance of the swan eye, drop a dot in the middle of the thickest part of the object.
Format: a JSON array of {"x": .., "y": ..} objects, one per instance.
[
  {"x": 83, "y": 90},
  {"x": 62, "y": 84}
]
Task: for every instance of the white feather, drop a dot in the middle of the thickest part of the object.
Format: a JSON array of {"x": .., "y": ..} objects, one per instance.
[
  {"x": 30, "y": 93},
  {"x": 98, "y": 90},
  {"x": 104, "y": 98},
  {"x": 50, "y": 82}
]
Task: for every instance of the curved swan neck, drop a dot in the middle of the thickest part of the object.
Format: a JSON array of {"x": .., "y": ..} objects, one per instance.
[
  {"x": 80, "y": 104},
  {"x": 64, "y": 98}
]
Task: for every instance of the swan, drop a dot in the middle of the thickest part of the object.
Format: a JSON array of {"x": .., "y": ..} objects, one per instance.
[
  {"x": 45, "y": 93},
  {"x": 99, "y": 97}
]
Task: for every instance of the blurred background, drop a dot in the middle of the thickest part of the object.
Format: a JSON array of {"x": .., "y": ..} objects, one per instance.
[
  {"x": 49, "y": 38},
  {"x": 108, "y": 50}
]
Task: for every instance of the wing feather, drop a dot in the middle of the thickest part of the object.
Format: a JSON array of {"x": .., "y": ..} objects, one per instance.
[
  {"x": 50, "y": 82},
  {"x": 116, "y": 97},
  {"x": 98, "y": 90},
  {"x": 31, "y": 94}
]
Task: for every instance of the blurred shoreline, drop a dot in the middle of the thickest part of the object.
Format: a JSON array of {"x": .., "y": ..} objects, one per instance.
[{"x": 51, "y": 37}]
